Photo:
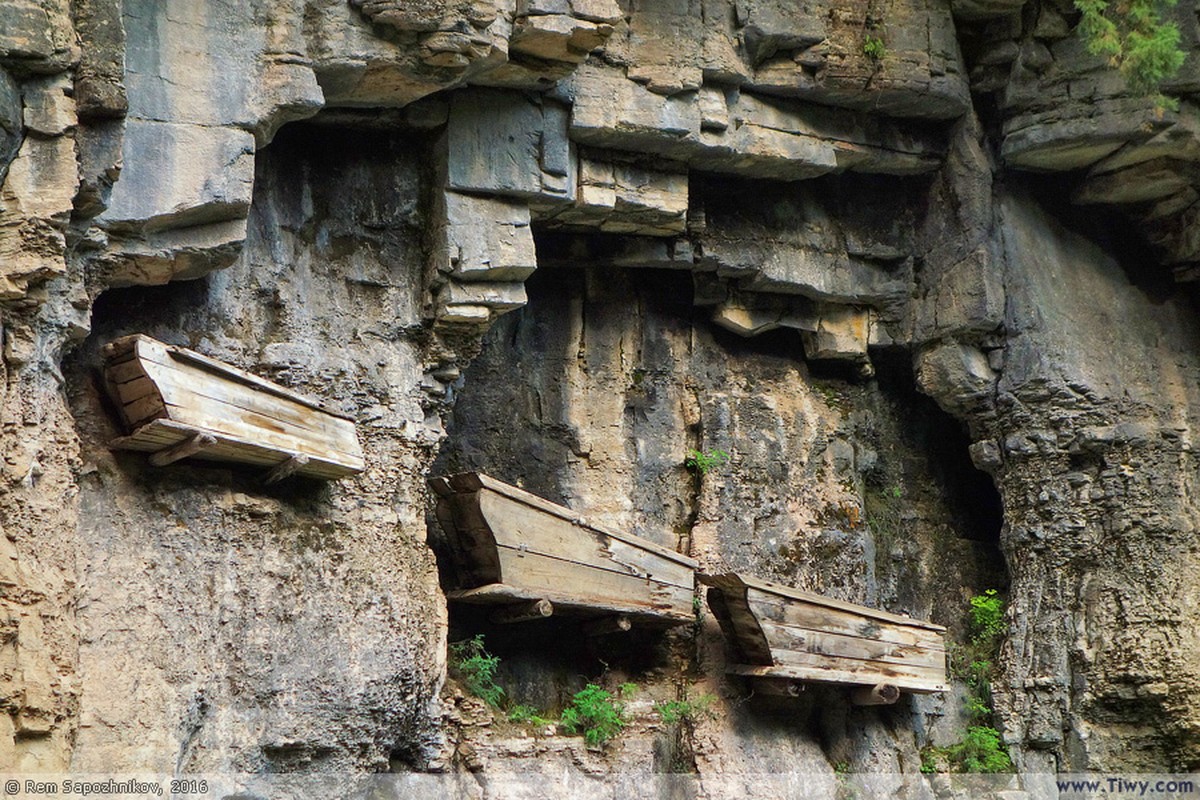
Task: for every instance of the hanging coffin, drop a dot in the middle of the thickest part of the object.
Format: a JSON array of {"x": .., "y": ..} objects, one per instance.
[
  {"x": 177, "y": 403},
  {"x": 514, "y": 549},
  {"x": 783, "y": 636}
]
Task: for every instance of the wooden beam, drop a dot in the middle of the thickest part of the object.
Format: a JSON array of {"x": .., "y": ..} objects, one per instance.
[
  {"x": 881, "y": 694},
  {"x": 286, "y": 469},
  {"x": 606, "y": 625},
  {"x": 523, "y": 612},
  {"x": 188, "y": 447},
  {"x": 778, "y": 687}
]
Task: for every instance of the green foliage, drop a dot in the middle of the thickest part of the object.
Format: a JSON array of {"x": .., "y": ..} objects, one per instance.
[
  {"x": 527, "y": 715},
  {"x": 873, "y": 48},
  {"x": 978, "y": 708},
  {"x": 701, "y": 462},
  {"x": 1135, "y": 39},
  {"x": 476, "y": 668},
  {"x": 674, "y": 711},
  {"x": 981, "y": 750},
  {"x": 987, "y": 618},
  {"x": 595, "y": 713},
  {"x": 841, "y": 768}
]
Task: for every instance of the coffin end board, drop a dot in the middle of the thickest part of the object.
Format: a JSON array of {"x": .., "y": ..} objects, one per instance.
[
  {"x": 167, "y": 395},
  {"x": 510, "y": 546},
  {"x": 784, "y": 634}
]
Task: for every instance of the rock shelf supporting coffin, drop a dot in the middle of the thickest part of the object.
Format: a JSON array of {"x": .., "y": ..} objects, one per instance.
[
  {"x": 514, "y": 549},
  {"x": 178, "y": 404},
  {"x": 784, "y": 636}
]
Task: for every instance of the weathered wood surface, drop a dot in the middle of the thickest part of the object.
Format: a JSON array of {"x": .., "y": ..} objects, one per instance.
[
  {"x": 786, "y": 633},
  {"x": 167, "y": 395},
  {"x": 509, "y": 545}
]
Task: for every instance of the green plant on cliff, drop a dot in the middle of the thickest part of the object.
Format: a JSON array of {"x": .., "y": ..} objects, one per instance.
[
  {"x": 527, "y": 715},
  {"x": 1135, "y": 39},
  {"x": 476, "y": 668},
  {"x": 987, "y": 619},
  {"x": 596, "y": 713},
  {"x": 676, "y": 711},
  {"x": 874, "y": 48},
  {"x": 702, "y": 462},
  {"x": 981, "y": 749}
]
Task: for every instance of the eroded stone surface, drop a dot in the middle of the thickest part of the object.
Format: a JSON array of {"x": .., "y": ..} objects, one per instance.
[{"x": 827, "y": 210}]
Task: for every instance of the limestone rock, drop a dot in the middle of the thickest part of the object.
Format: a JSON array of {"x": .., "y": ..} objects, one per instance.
[
  {"x": 505, "y": 143},
  {"x": 766, "y": 138},
  {"x": 486, "y": 239},
  {"x": 10, "y": 122},
  {"x": 36, "y": 36},
  {"x": 100, "y": 77},
  {"x": 35, "y": 206},
  {"x": 212, "y": 171},
  {"x": 920, "y": 73},
  {"x": 957, "y": 376}
]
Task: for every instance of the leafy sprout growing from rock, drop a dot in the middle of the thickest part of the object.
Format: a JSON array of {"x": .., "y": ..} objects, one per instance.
[
  {"x": 874, "y": 48},
  {"x": 596, "y": 713},
  {"x": 701, "y": 462},
  {"x": 476, "y": 668}
]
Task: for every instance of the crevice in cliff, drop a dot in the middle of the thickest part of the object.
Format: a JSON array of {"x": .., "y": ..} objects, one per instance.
[
  {"x": 1111, "y": 230},
  {"x": 970, "y": 492}
]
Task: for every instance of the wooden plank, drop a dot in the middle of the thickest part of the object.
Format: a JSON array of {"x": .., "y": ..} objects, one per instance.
[
  {"x": 739, "y": 625},
  {"x": 836, "y": 621},
  {"x": 441, "y": 487},
  {"x": 888, "y": 671},
  {"x": 141, "y": 411},
  {"x": 119, "y": 348},
  {"x": 781, "y": 593},
  {"x": 515, "y": 523},
  {"x": 216, "y": 401},
  {"x": 193, "y": 381},
  {"x": 186, "y": 448},
  {"x": 839, "y": 676},
  {"x": 125, "y": 371},
  {"x": 470, "y": 481},
  {"x": 537, "y": 573},
  {"x": 787, "y": 637},
  {"x": 539, "y": 553},
  {"x": 228, "y": 447},
  {"x": 135, "y": 389},
  {"x": 472, "y": 540},
  {"x": 565, "y": 600},
  {"x": 159, "y": 352},
  {"x": 249, "y": 431}
]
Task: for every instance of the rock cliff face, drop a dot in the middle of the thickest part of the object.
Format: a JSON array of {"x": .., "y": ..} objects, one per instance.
[{"x": 922, "y": 268}]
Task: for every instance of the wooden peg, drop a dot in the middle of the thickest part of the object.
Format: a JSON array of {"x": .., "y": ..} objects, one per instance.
[
  {"x": 618, "y": 623},
  {"x": 188, "y": 447},
  {"x": 523, "y": 612},
  {"x": 881, "y": 694},
  {"x": 778, "y": 687},
  {"x": 286, "y": 469}
]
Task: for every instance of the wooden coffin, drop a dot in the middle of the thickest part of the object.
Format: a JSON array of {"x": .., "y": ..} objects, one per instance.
[
  {"x": 782, "y": 634},
  {"x": 509, "y": 546},
  {"x": 177, "y": 403}
]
